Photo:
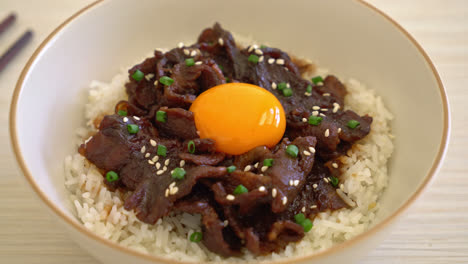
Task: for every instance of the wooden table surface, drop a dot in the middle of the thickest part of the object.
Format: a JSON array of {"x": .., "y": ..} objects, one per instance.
[{"x": 435, "y": 229}]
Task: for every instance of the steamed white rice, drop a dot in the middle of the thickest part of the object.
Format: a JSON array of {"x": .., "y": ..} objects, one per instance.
[{"x": 101, "y": 211}]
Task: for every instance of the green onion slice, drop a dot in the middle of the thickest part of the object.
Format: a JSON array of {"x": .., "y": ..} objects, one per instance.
[
  {"x": 138, "y": 75},
  {"x": 161, "y": 116},
  {"x": 240, "y": 189},
  {"x": 191, "y": 147},
  {"x": 315, "y": 120},
  {"x": 166, "y": 80},
  {"x": 162, "y": 150},
  {"x": 112, "y": 176},
  {"x": 317, "y": 79},
  {"x": 196, "y": 237},
  {"x": 122, "y": 113},
  {"x": 253, "y": 58},
  {"x": 353, "y": 124},
  {"x": 133, "y": 129},
  {"x": 268, "y": 162},
  {"x": 231, "y": 168},
  {"x": 178, "y": 174},
  {"x": 292, "y": 150}
]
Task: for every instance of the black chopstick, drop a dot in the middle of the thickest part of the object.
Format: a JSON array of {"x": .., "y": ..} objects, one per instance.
[
  {"x": 15, "y": 49},
  {"x": 7, "y": 22}
]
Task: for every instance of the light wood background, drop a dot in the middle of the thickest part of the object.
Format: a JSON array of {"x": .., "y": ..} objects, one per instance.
[{"x": 434, "y": 231}]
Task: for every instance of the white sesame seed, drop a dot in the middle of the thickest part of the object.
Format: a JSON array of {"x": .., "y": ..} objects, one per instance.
[
  {"x": 186, "y": 52},
  {"x": 271, "y": 60},
  {"x": 296, "y": 182},
  {"x": 149, "y": 76},
  {"x": 155, "y": 83},
  {"x": 336, "y": 107},
  {"x": 264, "y": 168},
  {"x": 174, "y": 190},
  {"x": 280, "y": 61},
  {"x": 247, "y": 168},
  {"x": 324, "y": 109},
  {"x": 160, "y": 172},
  {"x": 256, "y": 165},
  {"x": 198, "y": 63},
  {"x": 143, "y": 149},
  {"x": 155, "y": 158},
  {"x": 339, "y": 130},
  {"x": 165, "y": 168},
  {"x": 172, "y": 171},
  {"x": 230, "y": 197},
  {"x": 326, "y": 94},
  {"x": 304, "y": 119},
  {"x": 251, "y": 48},
  {"x": 262, "y": 188},
  {"x": 147, "y": 155},
  {"x": 153, "y": 143},
  {"x": 341, "y": 186},
  {"x": 307, "y": 153},
  {"x": 319, "y": 83},
  {"x": 286, "y": 69},
  {"x": 221, "y": 41},
  {"x": 136, "y": 117},
  {"x": 288, "y": 85},
  {"x": 334, "y": 165},
  {"x": 291, "y": 182},
  {"x": 312, "y": 149},
  {"x": 285, "y": 200},
  {"x": 327, "y": 132},
  {"x": 182, "y": 163},
  {"x": 273, "y": 85},
  {"x": 158, "y": 165},
  {"x": 226, "y": 223},
  {"x": 261, "y": 59},
  {"x": 303, "y": 209},
  {"x": 315, "y": 107},
  {"x": 151, "y": 162},
  {"x": 261, "y": 174},
  {"x": 167, "y": 193},
  {"x": 326, "y": 180},
  {"x": 180, "y": 45},
  {"x": 315, "y": 186},
  {"x": 167, "y": 162},
  {"x": 273, "y": 192},
  {"x": 172, "y": 184},
  {"x": 307, "y": 94},
  {"x": 125, "y": 119},
  {"x": 313, "y": 206},
  {"x": 193, "y": 53},
  {"x": 321, "y": 114},
  {"x": 315, "y": 113},
  {"x": 258, "y": 52}
]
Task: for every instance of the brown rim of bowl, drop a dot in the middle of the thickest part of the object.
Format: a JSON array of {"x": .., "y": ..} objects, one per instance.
[{"x": 80, "y": 227}]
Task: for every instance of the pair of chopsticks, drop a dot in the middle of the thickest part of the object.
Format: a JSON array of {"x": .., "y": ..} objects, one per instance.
[{"x": 14, "y": 49}]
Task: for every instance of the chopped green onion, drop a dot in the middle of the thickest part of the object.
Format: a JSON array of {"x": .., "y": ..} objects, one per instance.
[
  {"x": 138, "y": 75},
  {"x": 282, "y": 86},
  {"x": 317, "y": 79},
  {"x": 253, "y": 58},
  {"x": 334, "y": 181},
  {"x": 309, "y": 88},
  {"x": 189, "y": 62},
  {"x": 178, "y": 174},
  {"x": 133, "y": 129},
  {"x": 122, "y": 113},
  {"x": 166, "y": 80},
  {"x": 299, "y": 218},
  {"x": 161, "y": 116},
  {"x": 112, "y": 176},
  {"x": 221, "y": 67},
  {"x": 231, "y": 168},
  {"x": 196, "y": 237},
  {"x": 228, "y": 80},
  {"x": 162, "y": 150},
  {"x": 268, "y": 162},
  {"x": 315, "y": 120},
  {"x": 307, "y": 225},
  {"x": 287, "y": 92},
  {"x": 353, "y": 123},
  {"x": 191, "y": 146},
  {"x": 240, "y": 189},
  {"x": 263, "y": 46},
  {"x": 292, "y": 150}
]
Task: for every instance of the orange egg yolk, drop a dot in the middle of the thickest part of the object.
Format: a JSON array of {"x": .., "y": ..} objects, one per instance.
[{"x": 239, "y": 117}]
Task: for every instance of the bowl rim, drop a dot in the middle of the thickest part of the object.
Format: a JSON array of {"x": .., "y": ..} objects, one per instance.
[{"x": 146, "y": 256}]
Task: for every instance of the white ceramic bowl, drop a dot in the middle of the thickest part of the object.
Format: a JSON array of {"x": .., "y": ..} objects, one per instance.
[{"x": 349, "y": 37}]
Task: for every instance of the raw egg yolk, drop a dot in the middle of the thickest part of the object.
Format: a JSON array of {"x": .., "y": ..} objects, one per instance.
[{"x": 239, "y": 117}]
